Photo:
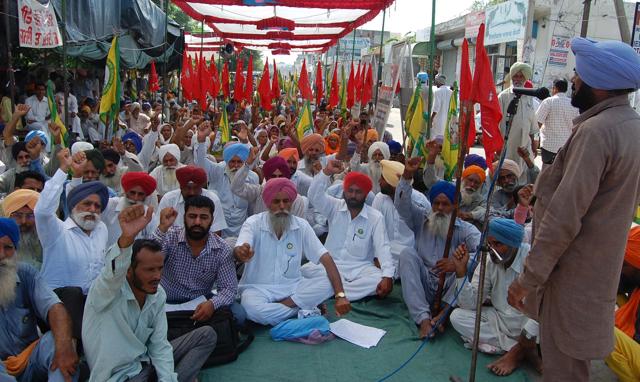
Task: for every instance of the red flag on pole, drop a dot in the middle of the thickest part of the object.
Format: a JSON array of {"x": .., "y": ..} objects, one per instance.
[
  {"x": 367, "y": 88},
  {"x": 350, "y": 88},
  {"x": 303, "y": 83},
  {"x": 238, "y": 83},
  {"x": 275, "y": 84},
  {"x": 358, "y": 83},
  {"x": 204, "y": 76},
  {"x": 466, "y": 86},
  {"x": 319, "y": 84},
  {"x": 153, "y": 78},
  {"x": 185, "y": 76},
  {"x": 335, "y": 88},
  {"x": 195, "y": 78},
  {"x": 248, "y": 83},
  {"x": 264, "y": 88},
  {"x": 484, "y": 93},
  {"x": 225, "y": 81},
  {"x": 214, "y": 89}
]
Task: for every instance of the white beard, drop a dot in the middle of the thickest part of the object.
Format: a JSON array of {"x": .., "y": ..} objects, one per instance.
[
  {"x": 230, "y": 173},
  {"x": 439, "y": 224},
  {"x": 8, "y": 277},
  {"x": 169, "y": 179},
  {"x": 279, "y": 224},
  {"x": 20, "y": 169},
  {"x": 375, "y": 172},
  {"x": 87, "y": 225},
  {"x": 468, "y": 197}
]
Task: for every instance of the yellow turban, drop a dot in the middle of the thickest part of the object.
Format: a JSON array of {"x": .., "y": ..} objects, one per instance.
[
  {"x": 372, "y": 134},
  {"x": 392, "y": 171},
  {"x": 526, "y": 70},
  {"x": 18, "y": 199}
]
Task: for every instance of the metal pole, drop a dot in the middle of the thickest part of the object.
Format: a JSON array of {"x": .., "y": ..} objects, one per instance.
[
  {"x": 164, "y": 58},
  {"x": 64, "y": 64},
  {"x": 375, "y": 100},
  {"x": 585, "y": 18},
  {"x": 7, "y": 34},
  {"x": 623, "y": 24},
  {"x": 432, "y": 75},
  {"x": 353, "y": 45}
]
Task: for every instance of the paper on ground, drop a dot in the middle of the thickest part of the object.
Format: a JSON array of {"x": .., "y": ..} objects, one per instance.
[
  {"x": 361, "y": 335},
  {"x": 189, "y": 305}
]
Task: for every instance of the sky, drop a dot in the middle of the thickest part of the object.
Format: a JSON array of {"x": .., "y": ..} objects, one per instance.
[{"x": 405, "y": 16}]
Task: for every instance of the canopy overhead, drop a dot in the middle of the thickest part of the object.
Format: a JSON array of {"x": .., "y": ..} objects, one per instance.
[{"x": 282, "y": 25}]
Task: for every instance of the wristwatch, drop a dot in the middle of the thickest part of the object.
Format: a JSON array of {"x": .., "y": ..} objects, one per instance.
[{"x": 340, "y": 295}]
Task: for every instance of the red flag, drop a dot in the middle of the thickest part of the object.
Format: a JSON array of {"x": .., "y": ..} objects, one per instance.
[
  {"x": 214, "y": 89},
  {"x": 153, "y": 78},
  {"x": 238, "y": 83},
  {"x": 275, "y": 84},
  {"x": 204, "y": 76},
  {"x": 264, "y": 88},
  {"x": 225, "y": 81},
  {"x": 350, "y": 88},
  {"x": 319, "y": 84},
  {"x": 466, "y": 84},
  {"x": 358, "y": 83},
  {"x": 484, "y": 93},
  {"x": 187, "y": 77},
  {"x": 195, "y": 78},
  {"x": 335, "y": 88},
  {"x": 367, "y": 88},
  {"x": 248, "y": 83},
  {"x": 303, "y": 82}
]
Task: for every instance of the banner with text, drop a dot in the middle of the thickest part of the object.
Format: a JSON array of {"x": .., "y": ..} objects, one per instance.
[
  {"x": 559, "y": 51},
  {"x": 506, "y": 22},
  {"x": 38, "y": 26},
  {"x": 387, "y": 90}
]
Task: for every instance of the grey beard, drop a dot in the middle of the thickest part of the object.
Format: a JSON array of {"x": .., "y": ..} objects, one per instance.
[
  {"x": 467, "y": 198},
  {"x": 169, "y": 179},
  {"x": 279, "y": 222},
  {"x": 375, "y": 171},
  {"x": 438, "y": 225},
  {"x": 8, "y": 278}
]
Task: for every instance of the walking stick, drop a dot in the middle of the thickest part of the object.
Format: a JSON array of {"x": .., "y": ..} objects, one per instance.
[{"x": 467, "y": 106}]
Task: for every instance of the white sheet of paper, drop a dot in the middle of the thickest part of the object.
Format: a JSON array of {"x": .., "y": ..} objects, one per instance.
[
  {"x": 189, "y": 305},
  {"x": 361, "y": 335}
]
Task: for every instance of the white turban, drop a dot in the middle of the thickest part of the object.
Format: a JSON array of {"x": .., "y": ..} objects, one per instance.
[
  {"x": 383, "y": 147},
  {"x": 171, "y": 148},
  {"x": 80, "y": 146}
]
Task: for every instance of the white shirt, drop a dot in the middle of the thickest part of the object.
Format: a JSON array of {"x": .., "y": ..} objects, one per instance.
[
  {"x": 399, "y": 232},
  {"x": 70, "y": 257},
  {"x": 110, "y": 218},
  {"x": 441, "y": 99},
  {"x": 352, "y": 242},
  {"x": 174, "y": 199},
  {"x": 276, "y": 263},
  {"x": 556, "y": 114},
  {"x": 139, "y": 124},
  {"x": 39, "y": 109},
  {"x": 302, "y": 182}
]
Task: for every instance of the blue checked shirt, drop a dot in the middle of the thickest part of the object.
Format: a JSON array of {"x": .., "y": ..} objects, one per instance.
[{"x": 186, "y": 277}]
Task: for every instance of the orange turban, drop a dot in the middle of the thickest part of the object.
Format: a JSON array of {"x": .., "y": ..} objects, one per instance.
[
  {"x": 473, "y": 169},
  {"x": 313, "y": 140},
  {"x": 359, "y": 179},
  {"x": 142, "y": 179},
  {"x": 18, "y": 199},
  {"x": 372, "y": 134},
  {"x": 632, "y": 253},
  {"x": 288, "y": 153},
  {"x": 627, "y": 314}
]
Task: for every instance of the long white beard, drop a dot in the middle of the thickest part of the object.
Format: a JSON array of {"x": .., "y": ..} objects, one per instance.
[
  {"x": 467, "y": 198},
  {"x": 8, "y": 277},
  {"x": 87, "y": 225},
  {"x": 230, "y": 173},
  {"x": 169, "y": 179},
  {"x": 375, "y": 172},
  {"x": 279, "y": 222},
  {"x": 439, "y": 224}
]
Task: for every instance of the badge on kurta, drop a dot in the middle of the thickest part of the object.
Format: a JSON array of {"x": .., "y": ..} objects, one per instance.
[{"x": 289, "y": 246}]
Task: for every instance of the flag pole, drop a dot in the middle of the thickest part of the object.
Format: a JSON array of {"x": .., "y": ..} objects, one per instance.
[
  {"x": 353, "y": 46},
  {"x": 7, "y": 34},
  {"x": 164, "y": 58},
  {"x": 432, "y": 53},
  {"x": 64, "y": 65},
  {"x": 384, "y": 14}
]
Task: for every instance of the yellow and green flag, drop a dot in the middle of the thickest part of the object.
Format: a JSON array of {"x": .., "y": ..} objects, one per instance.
[
  {"x": 415, "y": 122},
  {"x": 343, "y": 89},
  {"x": 55, "y": 116},
  {"x": 304, "y": 126},
  {"x": 450, "y": 145},
  {"x": 636, "y": 218},
  {"x": 224, "y": 126},
  {"x": 110, "y": 102}
]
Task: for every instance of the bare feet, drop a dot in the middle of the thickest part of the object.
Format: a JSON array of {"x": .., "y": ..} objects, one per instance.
[
  {"x": 426, "y": 329},
  {"x": 506, "y": 364}
]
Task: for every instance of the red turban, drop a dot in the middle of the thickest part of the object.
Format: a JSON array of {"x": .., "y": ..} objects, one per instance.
[
  {"x": 275, "y": 185},
  {"x": 359, "y": 179},
  {"x": 142, "y": 179},
  {"x": 313, "y": 140},
  {"x": 473, "y": 169},
  {"x": 193, "y": 174},
  {"x": 273, "y": 164},
  {"x": 288, "y": 153}
]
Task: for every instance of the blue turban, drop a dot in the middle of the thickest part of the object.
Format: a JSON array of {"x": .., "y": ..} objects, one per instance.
[
  {"x": 85, "y": 189},
  {"x": 135, "y": 138},
  {"x": 394, "y": 147},
  {"x": 37, "y": 133},
  {"x": 8, "y": 227},
  {"x": 237, "y": 149},
  {"x": 607, "y": 65},
  {"x": 475, "y": 160},
  {"x": 506, "y": 231},
  {"x": 442, "y": 187}
]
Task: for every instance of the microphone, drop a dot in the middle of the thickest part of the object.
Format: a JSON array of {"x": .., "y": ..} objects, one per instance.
[{"x": 540, "y": 93}]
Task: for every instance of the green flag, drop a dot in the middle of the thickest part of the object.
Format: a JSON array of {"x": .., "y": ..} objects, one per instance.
[{"x": 110, "y": 102}]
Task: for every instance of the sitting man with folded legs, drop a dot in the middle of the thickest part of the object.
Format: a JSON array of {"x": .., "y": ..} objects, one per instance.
[{"x": 271, "y": 244}]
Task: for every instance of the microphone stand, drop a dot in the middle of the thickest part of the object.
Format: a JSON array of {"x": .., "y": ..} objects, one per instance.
[{"x": 512, "y": 109}]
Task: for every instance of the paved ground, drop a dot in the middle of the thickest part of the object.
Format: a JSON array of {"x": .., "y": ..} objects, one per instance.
[{"x": 599, "y": 371}]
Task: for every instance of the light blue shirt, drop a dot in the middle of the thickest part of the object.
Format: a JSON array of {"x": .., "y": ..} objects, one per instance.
[
  {"x": 235, "y": 207},
  {"x": 70, "y": 257},
  {"x": 117, "y": 335}
]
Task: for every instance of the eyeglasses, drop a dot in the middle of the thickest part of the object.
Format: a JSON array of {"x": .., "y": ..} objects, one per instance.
[{"x": 22, "y": 215}]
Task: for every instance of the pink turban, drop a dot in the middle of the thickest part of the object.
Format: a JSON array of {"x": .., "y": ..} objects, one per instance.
[
  {"x": 313, "y": 140},
  {"x": 275, "y": 185},
  {"x": 273, "y": 164}
]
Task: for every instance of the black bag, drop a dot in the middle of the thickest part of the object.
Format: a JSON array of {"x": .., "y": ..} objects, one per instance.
[{"x": 228, "y": 345}]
